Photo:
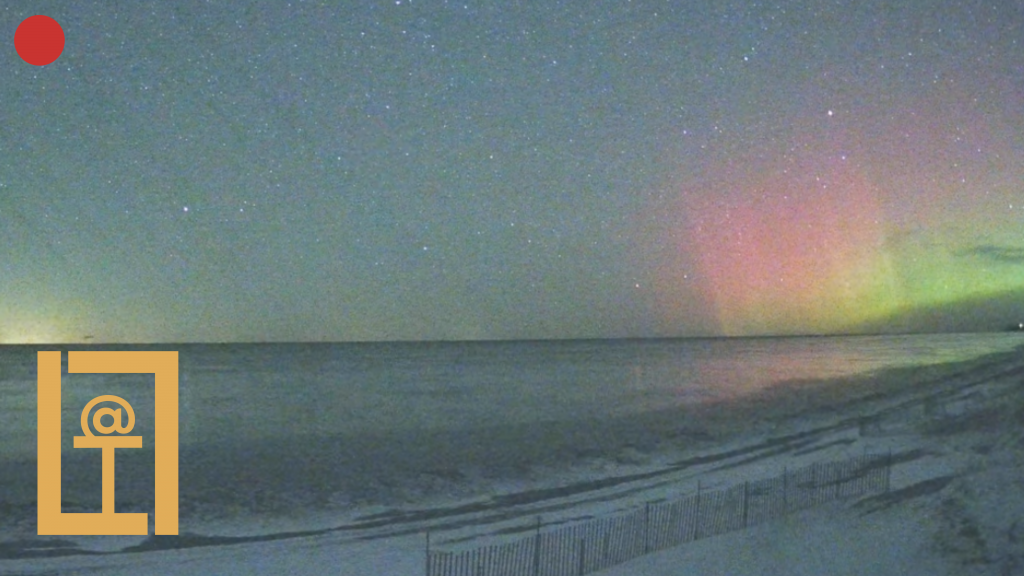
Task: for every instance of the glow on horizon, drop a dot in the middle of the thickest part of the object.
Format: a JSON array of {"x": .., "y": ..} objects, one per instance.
[{"x": 32, "y": 334}]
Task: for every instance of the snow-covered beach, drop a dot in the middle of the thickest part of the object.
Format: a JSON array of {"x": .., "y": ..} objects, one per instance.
[{"x": 955, "y": 431}]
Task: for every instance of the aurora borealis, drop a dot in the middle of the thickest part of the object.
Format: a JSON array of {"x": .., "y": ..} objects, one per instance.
[
  {"x": 835, "y": 236},
  {"x": 413, "y": 170}
]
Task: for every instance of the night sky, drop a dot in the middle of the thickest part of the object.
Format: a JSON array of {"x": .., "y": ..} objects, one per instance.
[{"x": 416, "y": 170}]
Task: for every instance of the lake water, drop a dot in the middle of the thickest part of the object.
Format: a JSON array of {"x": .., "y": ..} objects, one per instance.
[{"x": 273, "y": 426}]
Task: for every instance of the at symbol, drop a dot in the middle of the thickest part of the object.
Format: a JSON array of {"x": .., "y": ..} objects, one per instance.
[{"x": 116, "y": 414}]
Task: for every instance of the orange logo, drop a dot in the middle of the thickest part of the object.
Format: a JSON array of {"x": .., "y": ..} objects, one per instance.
[{"x": 164, "y": 365}]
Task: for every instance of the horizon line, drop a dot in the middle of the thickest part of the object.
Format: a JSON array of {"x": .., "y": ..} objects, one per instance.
[{"x": 91, "y": 342}]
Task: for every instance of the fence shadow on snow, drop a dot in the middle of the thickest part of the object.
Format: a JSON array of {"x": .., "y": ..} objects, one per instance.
[{"x": 598, "y": 544}]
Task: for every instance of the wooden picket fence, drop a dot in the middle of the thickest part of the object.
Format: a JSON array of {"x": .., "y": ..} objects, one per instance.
[{"x": 598, "y": 544}]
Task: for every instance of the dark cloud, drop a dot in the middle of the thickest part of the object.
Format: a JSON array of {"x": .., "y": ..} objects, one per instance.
[{"x": 993, "y": 253}]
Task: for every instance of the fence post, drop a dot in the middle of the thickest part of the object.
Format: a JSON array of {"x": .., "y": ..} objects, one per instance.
[
  {"x": 888, "y": 469},
  {"x": 838, "y": 473},
  {"x": 746, "y": 490},
  {"x": 427, "y": 555},
  {"x": 583, "y": 554},
  {"x": 696, "y": 514},
  {"x": 536, "y": 550},
  {"x": 647, "y": 526},
  {"x": 785, "y": 490},
  {"x": 815, "y": 482}
]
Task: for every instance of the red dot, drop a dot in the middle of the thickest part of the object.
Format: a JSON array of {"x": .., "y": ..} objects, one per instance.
[{"x": 39, "y": 40}]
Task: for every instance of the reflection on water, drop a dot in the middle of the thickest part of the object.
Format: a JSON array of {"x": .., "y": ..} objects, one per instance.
[{"x": 662, "y": 373}]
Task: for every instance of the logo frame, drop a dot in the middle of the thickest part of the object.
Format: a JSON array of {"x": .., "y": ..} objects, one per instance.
[{"x": 51, "y": 520}]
